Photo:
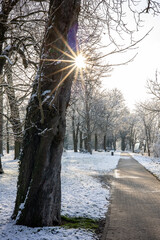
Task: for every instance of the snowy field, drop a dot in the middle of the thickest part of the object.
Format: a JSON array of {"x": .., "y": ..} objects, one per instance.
[
  {"x": 82, "y": 196},
  {"x": 150, "y": 163}
]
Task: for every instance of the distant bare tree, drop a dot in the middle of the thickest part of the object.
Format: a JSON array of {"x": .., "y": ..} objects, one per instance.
[{"x": 150, "y": 123}]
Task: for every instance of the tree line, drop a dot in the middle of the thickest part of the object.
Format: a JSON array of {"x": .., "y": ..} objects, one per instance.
[{"x": 107, "y": 121}]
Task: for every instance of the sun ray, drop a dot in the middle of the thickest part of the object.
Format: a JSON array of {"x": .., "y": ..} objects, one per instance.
[
  {"x": 60, "y": 70},
  {"x": 65, "y": 53},
  {"x": 57, "y": 60},
  {"x": 76, "y": 59},
  {"x": 64, "y": 78}
]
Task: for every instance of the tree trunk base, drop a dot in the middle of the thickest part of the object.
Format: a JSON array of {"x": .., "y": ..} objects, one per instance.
[{"x": 1, "y": 171}]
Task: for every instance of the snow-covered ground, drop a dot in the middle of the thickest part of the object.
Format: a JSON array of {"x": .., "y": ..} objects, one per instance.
[
  {"x": 82, "y": 195},
  {"x": 150, "y": 163}
]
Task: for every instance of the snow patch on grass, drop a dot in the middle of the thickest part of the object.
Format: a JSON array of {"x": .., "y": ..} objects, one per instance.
[
  {"x": 80, "y": 185},
  {"x": 150, "y": 163},
  {"x": 82, "y": 196}
]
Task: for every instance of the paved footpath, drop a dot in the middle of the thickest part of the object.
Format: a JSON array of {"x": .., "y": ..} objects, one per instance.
[{"x": 134, "y": 212}]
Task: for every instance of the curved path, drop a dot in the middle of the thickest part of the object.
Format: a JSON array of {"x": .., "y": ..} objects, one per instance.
[{"x": 134, "y": 212}]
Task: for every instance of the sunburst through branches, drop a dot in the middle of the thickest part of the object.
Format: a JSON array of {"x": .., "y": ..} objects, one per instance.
[
  {"x": 76, "y": 62},
  {"x": 80, "y": 61}
]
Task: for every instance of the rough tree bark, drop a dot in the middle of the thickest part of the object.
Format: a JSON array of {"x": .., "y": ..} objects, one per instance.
[
  {"x": 148, "y": 140},
  {"x": 15, "y": 116},
  {"x": 88, "y": 146},
  {"x": 114, "y": 143},
  {"x": 1, "y": 124},
  {"x": 7, "y": 137},
  {"x": 80, "y": 141},
  {"x": 1, "y": 169},
  {"x": 39, "y": 184},
  {"x": 104, "y": 142},
  {"x": 1, "y": 118},
  {"x": 75, "y": 131},
  {"x": 6, "y": 8},
  {"x": 96, "y": 142},
  {"x": 123, "y": 143}
]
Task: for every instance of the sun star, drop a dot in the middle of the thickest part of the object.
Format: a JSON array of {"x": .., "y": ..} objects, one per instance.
[
  {"x": 80, "y": 61},
  {"x": 76, "y": 62}
]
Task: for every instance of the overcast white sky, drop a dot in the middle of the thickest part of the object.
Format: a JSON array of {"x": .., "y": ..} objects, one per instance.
[{"x": 131, "y": 79}]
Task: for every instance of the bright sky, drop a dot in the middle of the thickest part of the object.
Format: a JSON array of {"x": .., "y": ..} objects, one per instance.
[{"x": 131, "y": 79}]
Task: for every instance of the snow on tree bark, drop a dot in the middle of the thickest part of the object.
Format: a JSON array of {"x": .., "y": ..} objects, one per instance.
[
  {"x": 6, "y": 8},
  {"x": 38, "y": 201}
]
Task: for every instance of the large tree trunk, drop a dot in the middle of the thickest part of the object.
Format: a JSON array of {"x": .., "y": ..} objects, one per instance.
[
  {"x": 6, "y": 8},
  {"x": 88, "y": 127},
  {"x": 104, "y": 142},
  {"x": 89, "y": 145},
  {"x": 96, "y": 142},
  {"x": 74, "y": 135},
  {"x": 17, "y": 149},
  {"x": 80, "y": 141},
  {"x": 145, "y": 147},
  {"x": 1, "y": 117},
  {"x": 1, "y": 169},
  {"x": 75, "y": 131},
  {"x": 123, "y": 143},
  {"x": 85, "y": 143},
  {"x": 15, "y": 116},
  {"x": 148, "y": 139},
  {"x": 7, "y": 138},
  {"x": 39, "y": 184},
  {"x": 114, "y": 144},
  {"x": 133, "y": 146}
]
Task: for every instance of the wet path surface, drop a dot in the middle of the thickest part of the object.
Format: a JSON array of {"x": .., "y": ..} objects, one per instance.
[{"x": 135, "y": 203}]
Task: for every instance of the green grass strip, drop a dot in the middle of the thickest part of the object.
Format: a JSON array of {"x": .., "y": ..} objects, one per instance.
[{"x": 86, "y": 223}]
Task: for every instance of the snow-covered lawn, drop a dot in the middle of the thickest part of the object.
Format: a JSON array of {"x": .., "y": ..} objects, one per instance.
[
  {"x": 82, "y": 195},
  {"x": 150, "y": 163}
]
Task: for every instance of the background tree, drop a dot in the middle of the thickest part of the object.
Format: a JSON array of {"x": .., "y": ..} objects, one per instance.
[
  {"x": 133, "y": 135},
  {"x": 20, "y": 38},
  {"x": 115, "y": 108},
  {"x": 73, "y": 117},
  {"x": 149, "y": 121}
]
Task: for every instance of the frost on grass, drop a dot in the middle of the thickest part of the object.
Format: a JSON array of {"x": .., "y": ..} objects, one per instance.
[
  {"x": 82, "y": 195},
  {"x": 81, "y": 187},
  {"x": 14, "y": 232},
  {"x": 150, "y": 163}
]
